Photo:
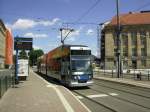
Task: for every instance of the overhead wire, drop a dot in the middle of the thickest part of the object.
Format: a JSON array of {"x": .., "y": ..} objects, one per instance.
[
  {"x": 91, "y": 8},
  {"x": 141, "y": 7},
  {"x": 85, "y": 14},
  {"x": 137, "y": 9}
]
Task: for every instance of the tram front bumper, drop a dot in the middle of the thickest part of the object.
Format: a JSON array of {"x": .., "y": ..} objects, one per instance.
[{"x": 77, "y": 84}]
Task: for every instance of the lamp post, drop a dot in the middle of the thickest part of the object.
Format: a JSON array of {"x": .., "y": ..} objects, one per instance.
[{"x": 118, "y": 41}]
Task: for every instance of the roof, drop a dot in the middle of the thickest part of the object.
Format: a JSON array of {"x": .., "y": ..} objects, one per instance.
[
  {"x": 140, "y": 18},
  {"x": 2, "y": 24}
]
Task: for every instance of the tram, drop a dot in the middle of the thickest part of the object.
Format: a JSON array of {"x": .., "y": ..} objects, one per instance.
[{"x": 70, "y": 64}]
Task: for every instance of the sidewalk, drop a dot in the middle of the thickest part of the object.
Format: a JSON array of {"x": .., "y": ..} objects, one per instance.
[
  {"x": 139, "y": 83},
  {"x": 38, "y": 95}
]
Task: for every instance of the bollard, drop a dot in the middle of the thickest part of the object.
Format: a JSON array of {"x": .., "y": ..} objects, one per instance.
[
  {"x": 148, "y": 75},
  {"x": 0, "y": 88},
  {"x": 139, "y": 76}
]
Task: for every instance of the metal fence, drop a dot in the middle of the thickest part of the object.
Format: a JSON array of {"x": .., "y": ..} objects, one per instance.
[
  {"x": 6, "y": 80},
  {"x": 136, "y": 74}
]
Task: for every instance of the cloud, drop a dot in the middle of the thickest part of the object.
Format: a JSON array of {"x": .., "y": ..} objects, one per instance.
[
  {"x": 89, "y": 32},
  {"x": 36, "y": 47},
  {"x": 35, "y": 35},
  {"x": 49, "y": 23},
  {"x": 23, "y": 24}
]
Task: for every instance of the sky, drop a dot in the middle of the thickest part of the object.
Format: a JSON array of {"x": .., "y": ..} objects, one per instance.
[{"x": 42, "y": 19}]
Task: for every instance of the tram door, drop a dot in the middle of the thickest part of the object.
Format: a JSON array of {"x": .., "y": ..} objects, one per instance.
[{"x": 64, "y": 70}]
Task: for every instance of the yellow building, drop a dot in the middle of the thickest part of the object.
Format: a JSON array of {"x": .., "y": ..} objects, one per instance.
[
  {"x": 134, "y": 38},
  {"x": 2, "y": 43}
]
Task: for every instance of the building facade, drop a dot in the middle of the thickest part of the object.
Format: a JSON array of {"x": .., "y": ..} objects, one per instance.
[
  {"x": 2, "y": 43},
  {"x": 134, "y": 42}
]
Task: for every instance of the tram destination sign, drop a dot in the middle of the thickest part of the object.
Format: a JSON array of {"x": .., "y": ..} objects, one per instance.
[{"x": 23, "y": 43}]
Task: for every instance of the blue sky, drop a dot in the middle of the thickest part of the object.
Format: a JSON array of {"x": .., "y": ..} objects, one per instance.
[{"x": 41, "y": 19}]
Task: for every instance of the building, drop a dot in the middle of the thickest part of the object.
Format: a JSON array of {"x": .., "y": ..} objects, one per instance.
[
  {"x": 2, "y": 43},
  {"x": 9, "y": 49},
  {"x": 134, "y": 38}
]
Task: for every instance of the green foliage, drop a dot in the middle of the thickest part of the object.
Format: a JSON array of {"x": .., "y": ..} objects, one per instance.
[{"x": 33, "y": 56}]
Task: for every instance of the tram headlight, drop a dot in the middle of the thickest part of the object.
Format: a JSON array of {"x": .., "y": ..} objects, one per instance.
[
  {"x": 75, "y": 77},
  {"x": 90, "y": 77},
  {"x": 79, "y": 77}
]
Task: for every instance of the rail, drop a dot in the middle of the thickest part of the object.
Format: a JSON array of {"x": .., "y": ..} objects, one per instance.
[{"x": 136, "y": 74}]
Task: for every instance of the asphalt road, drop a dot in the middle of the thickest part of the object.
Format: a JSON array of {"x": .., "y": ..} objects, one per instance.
[{"x": 105, "y": 96}]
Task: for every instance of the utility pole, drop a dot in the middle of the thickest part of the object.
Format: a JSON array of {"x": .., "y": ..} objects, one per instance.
[{"x": 118, "y": 42}]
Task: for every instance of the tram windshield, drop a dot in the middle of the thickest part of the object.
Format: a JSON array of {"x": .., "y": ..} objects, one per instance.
[{"x": 81, "y": 64}]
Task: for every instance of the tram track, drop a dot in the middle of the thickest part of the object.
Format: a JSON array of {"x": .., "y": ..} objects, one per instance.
[
  {"x": 129, "y": 92},
  {"x": 96, "y": 102},
  {"x": 126, "y": 85},
  {"x": 122, "y": 99},
  {"x": 107, "y": 104}
]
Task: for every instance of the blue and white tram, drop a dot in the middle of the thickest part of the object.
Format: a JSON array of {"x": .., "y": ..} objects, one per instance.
[{"x": 71, "y": 64}]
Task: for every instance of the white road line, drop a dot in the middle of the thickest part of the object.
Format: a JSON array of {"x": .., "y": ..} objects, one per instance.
[
  {"x": 50, "y": 85},
  {"x": 113, "y": 94},
  {"x": 79, "y": 97},
  {"x": 64, "y": 101},
  {"x": 79, "y": 100},
  {"x": 62, "y": 98},
  {"x": 96, "y": 96},
  {"x": 41, "y": 78}
]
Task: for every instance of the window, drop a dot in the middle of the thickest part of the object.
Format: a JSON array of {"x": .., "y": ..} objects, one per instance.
[
  {"x": 133, "y": 51},
  {"x": 124, "y": 39},
  {"x": 80, "y": 52},
  {"x": 125, "y": 64},
  {"x": 115, "y": 51},
  {"x": 125, "y": 52},
  {"x": 115, "y": 39},
  {"x": 143, "y": 38},
  {"x": 143, "y": 52},
  {"x": 134, "y": 38},
  {"x": 143, "y": 62}
]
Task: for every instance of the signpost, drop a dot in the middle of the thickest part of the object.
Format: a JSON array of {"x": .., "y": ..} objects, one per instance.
[{"x": 21, "y": 43}]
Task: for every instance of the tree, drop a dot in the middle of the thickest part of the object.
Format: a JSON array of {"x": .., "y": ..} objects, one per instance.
[{"x": 33, "y": 56}]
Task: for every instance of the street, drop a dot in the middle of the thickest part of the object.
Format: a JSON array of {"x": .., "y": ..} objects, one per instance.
[{"x": 105, "y": 96}]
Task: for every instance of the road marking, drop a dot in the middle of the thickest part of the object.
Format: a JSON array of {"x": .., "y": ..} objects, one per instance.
[
  {"x": 79, "y": 97},
  {"x": 64, "y": 101},
  {"x": 79, "y": 100},
  {"x": 96, "y": 96},
  {"x": 113, "y": 94},
  {"x": 62, "y": 98},
  {"x": 50, "y": 85}
]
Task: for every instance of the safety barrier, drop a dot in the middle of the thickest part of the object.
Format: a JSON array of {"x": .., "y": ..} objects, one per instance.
[
  {"x": 129, "y": 74},
  {"x": 6, "y": 80}
]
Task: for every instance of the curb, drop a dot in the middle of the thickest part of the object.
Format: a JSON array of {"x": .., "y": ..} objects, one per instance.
[{"x": 137, "y": 84}]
